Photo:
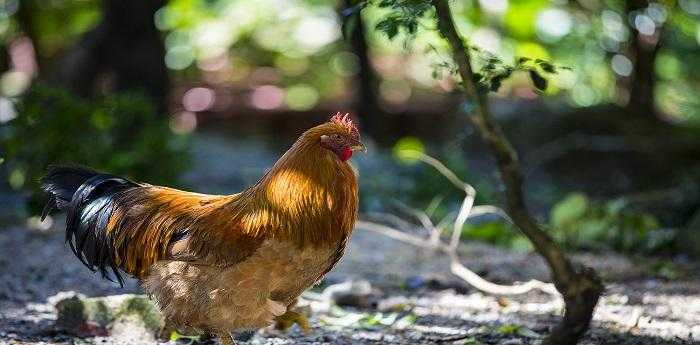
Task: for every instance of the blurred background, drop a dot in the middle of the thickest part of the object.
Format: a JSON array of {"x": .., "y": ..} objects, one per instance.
[{"x": 207, "y": 94}]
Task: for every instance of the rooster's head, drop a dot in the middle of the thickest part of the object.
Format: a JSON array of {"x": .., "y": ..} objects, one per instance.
[{"x": 340, "y": 136}]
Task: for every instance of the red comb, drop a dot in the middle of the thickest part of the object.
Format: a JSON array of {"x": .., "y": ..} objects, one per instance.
[{"x": 346, "y": 121}]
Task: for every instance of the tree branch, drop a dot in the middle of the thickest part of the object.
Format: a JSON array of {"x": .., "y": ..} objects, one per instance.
[{"x": 581, "y": 289}]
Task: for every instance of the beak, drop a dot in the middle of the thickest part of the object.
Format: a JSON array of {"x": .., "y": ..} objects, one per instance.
[{"x": 357, "y": 145}]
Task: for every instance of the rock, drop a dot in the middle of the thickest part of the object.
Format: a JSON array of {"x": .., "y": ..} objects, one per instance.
[
  {"x": 353, "y": 293},
  {"x": 124, "y": 316}
]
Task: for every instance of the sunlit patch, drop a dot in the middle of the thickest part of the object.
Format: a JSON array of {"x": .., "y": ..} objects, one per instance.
[
  {"x": 23, "y": 57},
  {"x": 644, "y": 24},
  {"x": 301, "y": 97},
  {"x": 494, "y": 6},
  {"x": 184, "y": 122},
  {"x": 613, "y": 26},
  {"x": 7, "y": 110},
  {"x": 213, "y": 38},
  {"x": 14, "y": 83},
  {"x": 316, "y": 32},
  {"x": 286, "y": 186},
  {"x": 487, "y": 39},
  {"x": 553, "y": 24},
  {"x": 267, "y": 97},
  {"x": 198, "y": 99},
  {"x": 179, "y": 57},
  {"x": 407, "y": 150},
  {"x": 35, "y": 223},
  {"x": 621, "y": 65}
]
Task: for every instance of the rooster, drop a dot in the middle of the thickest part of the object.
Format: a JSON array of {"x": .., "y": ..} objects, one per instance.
[{"x": 215, "y": 263}]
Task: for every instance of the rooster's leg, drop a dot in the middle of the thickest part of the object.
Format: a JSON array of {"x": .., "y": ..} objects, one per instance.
[
  {"x": 225, "y": 338},
  {"x": 288, "y": 319}
]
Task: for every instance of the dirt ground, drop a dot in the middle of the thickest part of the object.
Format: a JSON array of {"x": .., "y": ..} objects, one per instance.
[{"x": 413, "y": 299}]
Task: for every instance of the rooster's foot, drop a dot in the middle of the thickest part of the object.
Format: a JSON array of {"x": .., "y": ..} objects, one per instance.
[{"x": 288, "y": 319}]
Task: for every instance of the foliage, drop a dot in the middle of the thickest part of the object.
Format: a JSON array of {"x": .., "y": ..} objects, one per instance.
[
  {"x": 580, "y": 223},
  {"x": 120, "y": 134},
  {"x": 492, "y": 70},
  {"x": 404, "y": 15},
  {"x": 497, "y": 232}
]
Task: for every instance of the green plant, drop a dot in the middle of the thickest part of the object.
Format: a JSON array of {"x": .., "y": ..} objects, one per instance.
[
  {"x": 120, "y": 134},
  {"x": 580, "y": 223}
]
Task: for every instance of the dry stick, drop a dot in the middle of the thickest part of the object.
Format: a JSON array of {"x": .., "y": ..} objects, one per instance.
[
  {"x": 425, "y": 221},
  {"x": 456, "y": 267},
  {"x": 581, "y": 289}
]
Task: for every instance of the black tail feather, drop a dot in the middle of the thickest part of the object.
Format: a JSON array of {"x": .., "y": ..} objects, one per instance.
[{"x": 89, "y": 198}]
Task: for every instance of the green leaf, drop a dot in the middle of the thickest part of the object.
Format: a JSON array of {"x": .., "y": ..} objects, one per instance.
[
  {"x": 509, "y": 329},
  {"x": 572, "y": 208},
  {"x": 548, "y": 67},
  {"x": 537, "y": 80},
  {"x": 471, "y": 341},
  {"x": 522, "y": 60},
  {"x": 389, "y": 26}
]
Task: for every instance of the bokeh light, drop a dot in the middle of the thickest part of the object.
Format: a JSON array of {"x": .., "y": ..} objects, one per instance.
[
  {"x": 184, "y": 122},
  {"x": 267, "y": 97},
  {"x": 301, "y": 97},
  {"x": 494, "y": 6},
  {"x": 198, "y": 99},
  {"x": 553, "y": 24},
  {"x": 621, "y": 65}
]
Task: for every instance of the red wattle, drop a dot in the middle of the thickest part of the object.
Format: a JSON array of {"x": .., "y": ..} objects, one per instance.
[{"x": 345, "y": 154}]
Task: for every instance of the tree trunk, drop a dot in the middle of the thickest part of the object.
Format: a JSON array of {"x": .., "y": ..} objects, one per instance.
[
  {"x": 580, "y": 287},
  {"x": 642, "y": 52},
  {"x": 367, "y": 104},
  {"x": 125, "y": 48}
]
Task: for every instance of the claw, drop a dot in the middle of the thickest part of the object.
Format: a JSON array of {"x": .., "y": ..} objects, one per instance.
[
  {"x": 178, "y": 338},
  {"x": 288, "y": 319}
]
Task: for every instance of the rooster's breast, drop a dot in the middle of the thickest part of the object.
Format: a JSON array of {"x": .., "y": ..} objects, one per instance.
[{"x": 247, "y": 295}]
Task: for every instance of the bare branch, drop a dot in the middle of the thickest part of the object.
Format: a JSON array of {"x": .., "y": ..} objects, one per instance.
[{"x": 391, "y": 232}]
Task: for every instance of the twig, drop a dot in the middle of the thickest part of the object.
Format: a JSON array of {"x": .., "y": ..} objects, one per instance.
[
  {"x": 424, "y": 219},
  {"x": 391, "y": 232}
]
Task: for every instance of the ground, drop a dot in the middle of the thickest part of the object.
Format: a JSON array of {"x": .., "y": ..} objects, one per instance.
[{"x": 400, "y": 294}]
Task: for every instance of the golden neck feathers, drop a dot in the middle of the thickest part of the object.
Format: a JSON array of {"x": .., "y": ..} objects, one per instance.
[{"x": 309, "y": 196}]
